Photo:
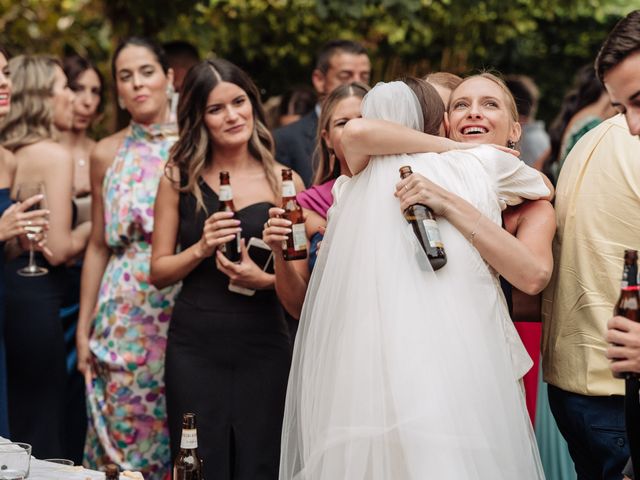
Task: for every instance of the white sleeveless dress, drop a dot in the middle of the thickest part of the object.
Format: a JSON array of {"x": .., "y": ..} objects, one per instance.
[{"x": 400, "y": 372}]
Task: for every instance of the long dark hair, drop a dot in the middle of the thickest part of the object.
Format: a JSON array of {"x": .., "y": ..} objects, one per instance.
[
  {"x": 193, "y": 152},
  {"x": 151, "y": 45},
  {"x": 74, "y": 66}
]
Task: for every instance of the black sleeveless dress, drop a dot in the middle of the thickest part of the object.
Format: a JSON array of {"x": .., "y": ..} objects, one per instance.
[{"x": 228, "y": 359}]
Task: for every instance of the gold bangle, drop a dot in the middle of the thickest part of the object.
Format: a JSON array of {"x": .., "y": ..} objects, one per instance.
[{"x": 474, "y": 231}]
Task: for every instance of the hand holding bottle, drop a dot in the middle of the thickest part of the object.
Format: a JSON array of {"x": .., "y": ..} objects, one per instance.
[
  {"x": 219, "y": 229},
  {"x": 276, "y": 230},
  {"x": 417, "y": 189},
  {"x": 624, "y": 336},
  {"x": 246, "y": 273}
]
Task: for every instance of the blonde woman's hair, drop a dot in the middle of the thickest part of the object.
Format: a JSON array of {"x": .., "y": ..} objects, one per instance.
[
  {"x": 443, "y": 79},
  {"x": 193, "y": 152},
  {"x": 325, "y": 168},
  {"x": 30, "y": 119}
]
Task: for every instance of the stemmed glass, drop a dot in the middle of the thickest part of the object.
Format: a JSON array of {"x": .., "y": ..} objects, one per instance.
[{"x": 27, "y": 190}]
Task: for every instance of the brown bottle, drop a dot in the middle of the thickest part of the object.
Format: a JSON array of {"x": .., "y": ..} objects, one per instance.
[
  {"x": 187, "y": 464},
  {"x": 627, "y": 304},
  {"x": 426, "y": 229},
  {"x": 295, "y": 248},
  {"x": 231, "y": 249},
  {"x": 111, "y": 472}
]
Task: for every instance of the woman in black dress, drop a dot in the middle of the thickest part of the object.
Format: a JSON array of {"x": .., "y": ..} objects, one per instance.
[{"x": 228, "y": 353}]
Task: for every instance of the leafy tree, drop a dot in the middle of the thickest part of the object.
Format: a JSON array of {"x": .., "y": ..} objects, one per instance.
[{"x": 276, "y": 40}]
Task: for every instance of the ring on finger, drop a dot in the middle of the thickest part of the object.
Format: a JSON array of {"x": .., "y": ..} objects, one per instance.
[
  {"x": 28, "y": 223},
  {"x": 406, "y": 187}
]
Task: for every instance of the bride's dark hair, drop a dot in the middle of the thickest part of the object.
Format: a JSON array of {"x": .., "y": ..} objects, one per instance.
[{"x": 430, "y": 104}]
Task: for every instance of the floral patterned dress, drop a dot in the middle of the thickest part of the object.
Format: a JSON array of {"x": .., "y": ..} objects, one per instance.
[{"x": 126, "y": 395}]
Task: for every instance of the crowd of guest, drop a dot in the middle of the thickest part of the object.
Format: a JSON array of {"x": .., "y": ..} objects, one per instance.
[{"x": 121, "y": 308}]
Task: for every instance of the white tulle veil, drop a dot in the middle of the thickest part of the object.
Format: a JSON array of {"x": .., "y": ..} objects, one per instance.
[
  {"x": 394, "y": 102},
  {"x": 400, "y": 372}
]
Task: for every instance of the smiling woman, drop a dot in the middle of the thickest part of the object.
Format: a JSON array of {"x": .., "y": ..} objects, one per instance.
[
  {"x": 481, "y": 113},
  {"x": 238, "y": 343}
]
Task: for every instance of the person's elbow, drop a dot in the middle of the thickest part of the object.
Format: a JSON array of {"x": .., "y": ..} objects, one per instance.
[
  {"x": 354, "y": 133},
  {"x": 58, "y": 258},
  {"x": 536, "y": 280},
  {"x": 156, "y": 277}
]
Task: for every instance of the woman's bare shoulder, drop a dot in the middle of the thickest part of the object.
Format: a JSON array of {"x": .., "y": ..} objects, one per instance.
[
  {"x": 46, "y": 152},
  {"x": 7, "y": 167},
  {"x": 104, "y": 151}
]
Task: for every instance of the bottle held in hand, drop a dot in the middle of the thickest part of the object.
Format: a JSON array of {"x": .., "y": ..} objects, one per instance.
[
  {"x": 112, "y": 472},
  {"x": 295, "y": 248},
  {"x": 232, "y": 249},
  {"x": 425, "y": 228},
  {"x": 627, "y": 304},
  {"x": 187, "y": 464}
]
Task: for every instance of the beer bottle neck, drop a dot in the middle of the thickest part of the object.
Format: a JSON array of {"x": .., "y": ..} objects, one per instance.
[{"x": 630, "y": 277}]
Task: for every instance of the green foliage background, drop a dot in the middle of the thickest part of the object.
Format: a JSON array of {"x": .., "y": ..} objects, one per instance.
[{"x": 276, "y": 40}]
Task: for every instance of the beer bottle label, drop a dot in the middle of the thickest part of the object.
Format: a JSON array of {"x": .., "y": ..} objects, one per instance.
[
  {"x": 299, "y": 237},
  {"x": 225, "y": 193},
  {"x": 189, "y": 439},
  {"x": 433, "y": 233},
  {"x": 288, "y": 189},
  {"x": 630, "y": 303}
]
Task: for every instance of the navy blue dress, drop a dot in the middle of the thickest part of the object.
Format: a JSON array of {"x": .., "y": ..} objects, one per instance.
[{"x": 5, "y": 201}]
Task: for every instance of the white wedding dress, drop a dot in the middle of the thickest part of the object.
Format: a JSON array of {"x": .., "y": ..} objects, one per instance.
[{"x": 400, "y": 372}]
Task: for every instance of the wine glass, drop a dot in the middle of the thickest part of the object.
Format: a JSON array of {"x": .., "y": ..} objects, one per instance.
[
  {"x": 14, "y": 461},
  {"x": 27, "y": 190}
]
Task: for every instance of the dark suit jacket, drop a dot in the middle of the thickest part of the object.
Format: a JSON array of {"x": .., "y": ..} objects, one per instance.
[{"x": 295, "y": 144}]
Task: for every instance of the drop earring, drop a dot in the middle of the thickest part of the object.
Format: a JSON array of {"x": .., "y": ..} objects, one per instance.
[
  {"x": 121, "y": 103},
  {"x": 511, "y": 144}
]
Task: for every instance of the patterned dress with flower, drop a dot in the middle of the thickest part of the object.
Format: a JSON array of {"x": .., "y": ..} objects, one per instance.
[{"x": 126, "y": 395}]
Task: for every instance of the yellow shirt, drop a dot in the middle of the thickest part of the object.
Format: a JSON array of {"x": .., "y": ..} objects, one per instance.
[{"x": 598, "y": 217}]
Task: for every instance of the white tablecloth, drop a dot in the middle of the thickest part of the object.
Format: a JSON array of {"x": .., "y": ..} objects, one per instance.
[{"x": 41, "y": 470}]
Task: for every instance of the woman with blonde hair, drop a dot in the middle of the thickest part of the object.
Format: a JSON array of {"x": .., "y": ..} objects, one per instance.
[
  {"x": 239, "y": 343},
  {"x": 12, "y": 224},
  {"x": 41, "y": 106}
]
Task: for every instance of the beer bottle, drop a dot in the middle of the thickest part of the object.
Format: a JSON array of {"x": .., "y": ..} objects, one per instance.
[
  {"x": 232, "y": 249},
  {"x": 627, "y": 304},
  {"x": 425, "y": 228},
  {"x": 187, "y": 464},
  {"x": 111, "y": 472},
  {"x": 295, "y": 248}
]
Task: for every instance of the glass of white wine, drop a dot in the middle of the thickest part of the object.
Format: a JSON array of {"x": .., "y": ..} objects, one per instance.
[{"x": 27, "y": 190}]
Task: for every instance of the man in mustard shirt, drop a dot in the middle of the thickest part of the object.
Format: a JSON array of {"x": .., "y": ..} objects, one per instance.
[
  {"x": 598, "y": 217},
  {"x": 618, "y": 65}
]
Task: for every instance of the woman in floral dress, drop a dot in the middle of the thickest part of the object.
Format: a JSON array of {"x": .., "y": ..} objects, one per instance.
[{"x": 123, "y": 319}]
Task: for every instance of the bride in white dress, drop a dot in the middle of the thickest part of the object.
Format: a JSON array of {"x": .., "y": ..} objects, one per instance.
[{"x": 400, "y": 372}]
